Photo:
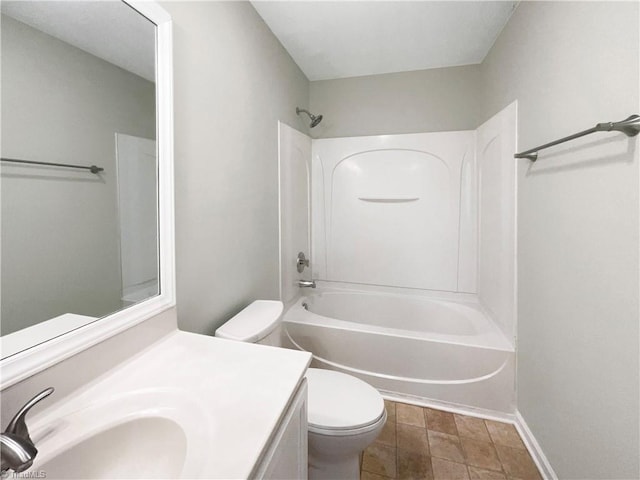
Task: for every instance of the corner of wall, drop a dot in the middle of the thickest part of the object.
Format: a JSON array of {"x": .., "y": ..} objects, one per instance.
[{"x": 534, "y": 448}]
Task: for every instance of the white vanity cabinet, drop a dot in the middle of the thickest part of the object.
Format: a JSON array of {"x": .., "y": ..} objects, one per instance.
[{"x": 286, "y": 455}]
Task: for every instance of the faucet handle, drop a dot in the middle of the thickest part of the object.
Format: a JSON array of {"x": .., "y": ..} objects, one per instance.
[
  {"x": 301, "y": 262},
  {"x": 17, "y": 425}
]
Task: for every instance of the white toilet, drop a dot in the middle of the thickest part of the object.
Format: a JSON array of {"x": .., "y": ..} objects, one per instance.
[{"x": 345, "y": 414}]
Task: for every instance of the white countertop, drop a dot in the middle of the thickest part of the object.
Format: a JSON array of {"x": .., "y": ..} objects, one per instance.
[{"x": 228, "y": 397}]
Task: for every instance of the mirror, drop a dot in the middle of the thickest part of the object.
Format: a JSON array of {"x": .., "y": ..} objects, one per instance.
[{"x": 78, "y": 90}]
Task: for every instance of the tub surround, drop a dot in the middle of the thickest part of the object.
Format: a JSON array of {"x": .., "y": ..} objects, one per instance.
[
  {"x": 294, "y": 167},
  {"x": 421, "y": 215},
  {"x": 227, "y": 396},
  {"x": 433, "y": 212},
  {"x": 395, "y": 210}
]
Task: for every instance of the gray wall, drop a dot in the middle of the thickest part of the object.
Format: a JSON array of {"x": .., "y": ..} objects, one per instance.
[
  {"x": 59, "y": 226},
  {"x": 436, "y": 100},
  {"x": 233, "y": 82},
  {"x": 571, "y": 65}
]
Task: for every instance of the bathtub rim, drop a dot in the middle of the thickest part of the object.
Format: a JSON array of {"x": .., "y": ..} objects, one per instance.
[
  {"x": 472, "y": 312},
  {"x": 464, "y": 298},
  {"x": 397, "y": 378},
  {"x": 492, "y": 338}
]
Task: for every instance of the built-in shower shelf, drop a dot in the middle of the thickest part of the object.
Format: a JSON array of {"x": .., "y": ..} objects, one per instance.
[{"x": 389, "y": 198}]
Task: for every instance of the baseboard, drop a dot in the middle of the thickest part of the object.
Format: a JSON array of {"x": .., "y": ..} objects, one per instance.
[
  {"x": 534, "y": 448},
  {"x": 516, "y": 419},
  {"x": 450, "y": 407}
]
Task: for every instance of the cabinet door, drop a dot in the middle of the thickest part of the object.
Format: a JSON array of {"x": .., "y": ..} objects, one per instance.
[{"x": 286, "y": 457}]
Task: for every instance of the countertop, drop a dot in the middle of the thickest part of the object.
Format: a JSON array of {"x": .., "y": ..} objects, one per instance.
[{"x": 227, "y": 396}]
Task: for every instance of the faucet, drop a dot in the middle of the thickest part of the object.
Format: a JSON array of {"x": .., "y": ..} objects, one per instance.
[
  {"x": 301, "y": 262},
  {"x": 307, "y": 283},
  {"x": 17, "y": 450}
]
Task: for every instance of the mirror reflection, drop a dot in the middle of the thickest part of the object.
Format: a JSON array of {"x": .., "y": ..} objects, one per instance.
[{"x": 78, "y": 90}]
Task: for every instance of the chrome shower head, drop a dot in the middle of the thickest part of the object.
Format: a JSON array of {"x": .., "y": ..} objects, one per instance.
[{"x": 315, "y": 120}]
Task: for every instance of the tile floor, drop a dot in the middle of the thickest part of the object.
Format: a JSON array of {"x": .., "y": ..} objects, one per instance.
[{"x": 422, "y": 443}]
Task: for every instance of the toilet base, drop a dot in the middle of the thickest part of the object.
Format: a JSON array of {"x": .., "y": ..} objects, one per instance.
[
  {"x": 337, "y": 457},
  {"x": 345, "y": 468}
]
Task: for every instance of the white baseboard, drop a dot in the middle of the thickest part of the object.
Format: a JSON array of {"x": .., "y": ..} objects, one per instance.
[
  {"x": 450, "y": 407},
  {"x": 515, "y": 419},
  {"x": 534, "y": 448}
]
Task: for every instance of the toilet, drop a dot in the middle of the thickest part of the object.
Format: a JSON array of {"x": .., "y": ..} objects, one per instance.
[{"x": 345, "y": 414}]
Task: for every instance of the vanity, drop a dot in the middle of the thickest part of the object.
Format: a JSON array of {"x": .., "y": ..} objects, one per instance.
[
  {"x": 134, "y": 396},
  {"x": 184, "y": 406},
  {"x": 187, "y": 406}
]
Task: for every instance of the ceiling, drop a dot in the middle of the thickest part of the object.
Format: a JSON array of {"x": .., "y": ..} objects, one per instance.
[
  {"x": 329, "y": 39},
  {"x": 110, "y": 30}
]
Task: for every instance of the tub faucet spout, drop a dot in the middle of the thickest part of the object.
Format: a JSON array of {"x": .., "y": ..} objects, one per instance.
[{"x": 307, "y": 283}]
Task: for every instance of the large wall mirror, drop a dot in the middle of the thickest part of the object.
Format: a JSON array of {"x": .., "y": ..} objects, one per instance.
[{"x": 79, "y": 169}]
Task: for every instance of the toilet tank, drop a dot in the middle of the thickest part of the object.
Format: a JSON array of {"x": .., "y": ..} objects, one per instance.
[{"x": 257, "y": 323}]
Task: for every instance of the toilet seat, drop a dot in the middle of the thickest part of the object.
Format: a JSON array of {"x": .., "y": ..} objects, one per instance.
[{"x": 341, "y": 404}]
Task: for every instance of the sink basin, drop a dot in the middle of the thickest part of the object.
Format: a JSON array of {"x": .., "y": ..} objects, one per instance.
[
  {"x": 155, "y": 433},
  {"x": 142, "y": 448}
]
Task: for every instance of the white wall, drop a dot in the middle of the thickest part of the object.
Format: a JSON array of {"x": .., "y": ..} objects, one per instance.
[
  {"x": 233, "y": 82},
  {"x": 571, "y": 65},
  {"x": 60, "y": 241},
  {"x": 295, "y": 202},
  {"x": 138, "y": 216},
  {"x": 435, "y": 100},
  {"x": 496, "y": 203},
  {"x": 386, "y": 210}
]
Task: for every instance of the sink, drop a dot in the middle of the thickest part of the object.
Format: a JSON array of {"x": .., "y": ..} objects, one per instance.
[
  {"x": 152, "y": 447},
  {"x": 155, "y": 433},
  {"x": 187, "y": 407}
]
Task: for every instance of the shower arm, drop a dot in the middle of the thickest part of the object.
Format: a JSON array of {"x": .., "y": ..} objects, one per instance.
[{"x": 315, "y": 119}]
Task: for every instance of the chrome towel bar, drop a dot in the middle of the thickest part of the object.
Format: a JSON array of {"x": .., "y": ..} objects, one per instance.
[
  {"x": 92, "y": 168},
  {"x": 629, "y": 126}
]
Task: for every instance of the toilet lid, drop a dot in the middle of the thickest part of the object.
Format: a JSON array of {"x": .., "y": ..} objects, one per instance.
[
  {"x": 341, "y": 402},
  {"x": 253, "y": 323}
]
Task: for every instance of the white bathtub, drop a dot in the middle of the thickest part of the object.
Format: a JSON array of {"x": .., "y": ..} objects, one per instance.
[{"x": 444, "y": 351}]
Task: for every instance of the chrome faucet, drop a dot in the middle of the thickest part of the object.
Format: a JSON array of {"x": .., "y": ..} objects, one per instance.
[
  {"x": 17, "y": 450},
  {"x": 307, "y": 283},
  {"x": 301, "y": 262}
]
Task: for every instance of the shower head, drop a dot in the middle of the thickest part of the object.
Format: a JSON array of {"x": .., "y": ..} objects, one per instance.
[{"x": 315, "y": 120}]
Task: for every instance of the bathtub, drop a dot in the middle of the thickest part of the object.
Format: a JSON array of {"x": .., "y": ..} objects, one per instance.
[{"x": 442, "y": 351}]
